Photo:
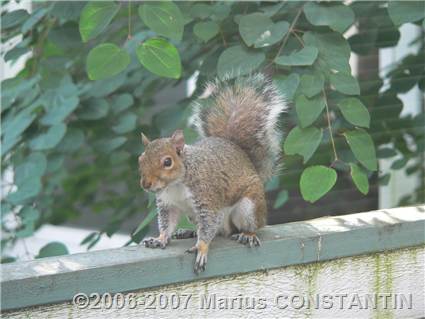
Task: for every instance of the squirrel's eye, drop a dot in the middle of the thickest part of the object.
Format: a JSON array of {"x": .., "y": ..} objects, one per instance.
[{"x": 168, "y": 162}]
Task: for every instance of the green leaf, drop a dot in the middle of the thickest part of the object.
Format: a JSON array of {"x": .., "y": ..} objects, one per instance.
[
  {"x": 49, "y": 139},
  {"x": 306, "y": 56},
  {"x": 33, "y": 166},
  {"x": 29, "y": 217},
  {"x": 93, "y": 109},
  {"x": 206, "y": 30},
  {"x": 303, "y": 142},
  {"x": 354, "y": 112},
  {"x": 13, "y": 18},
  {"x": 360, "y": 179},
  {"x": 259, "y": 30},
  {"x": 386, "y": 152},
  {"x": 281, "y": 199},
  {"x": 160, "y": 57},
  {"x": 311, "y": 84},
  {"x": 59, "y": 110},
  {"x": 287, "y": 85},
  {"x": 107, "y": 145},
  {"x": 52, "y": 249},
  {"x": 95, "y": 17},
  {"x": 146, "y": 221},
  {"x": 35, "y": 17},
  {"x": 106, "y": 60},
  {"x": 363, "y": 148},
  {"x": 399, "y": 163},
  {"x": 334, "y": 50},
  {"x": 345, "y": 83},
  {"x": 316, "y": 181},
  {"x": 406, "y": 11},
  {"x": 72, "y": 141},
  {"x": 337, "y": 16},
  {"x": 126, "y": 123},
  {"x": 121, "y": 102},
  {"x": 200, "y": 10},
  {"x": 308, "y": 110},
  {"x": 164, "y": 18},
  {"x": 236, "y": 61},
  {"x": 27, "y": 190}
]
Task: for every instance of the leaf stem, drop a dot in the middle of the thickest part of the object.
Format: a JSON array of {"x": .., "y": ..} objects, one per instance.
[
  {"x": 129, "y": 36},
  {"x": 328, "y": 116}
]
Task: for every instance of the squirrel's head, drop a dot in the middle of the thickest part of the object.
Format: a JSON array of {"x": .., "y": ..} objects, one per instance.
[{"x": 161, "y": 163}]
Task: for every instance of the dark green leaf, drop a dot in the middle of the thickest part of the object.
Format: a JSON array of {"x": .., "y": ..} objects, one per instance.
[
  {"x": 126, "y": 123},
  {"x": 311, "y": 84},
  {"x": 35, "y": 17},
  {"x": 107, "y": 145},
  {"x": 303, "y": 142},
  {"x": 363, "y": 148},
  {"x": 160, "y": 57},
  {"x": 337, "y": 16},
  {"x": 345, "y": 83},
  {"x": 399, "y": 163},
  {"x": 360, "y": 179},
  {"x": 259, "y": 30},
  {"x": 27, "y": 190},
  {"x": 386, "y": 152},
  {"x": 316, "y": 181},
  {"x": 95, "y": 17},
  {"x": 52, "y": 249},
  {"x": 59, "y": 110},
  {"x": 306, "y": 56},
  {"x": 406, "y": 11},
  {"x": 206, "y": 30},
  {"x": 93, "y": 109},
  {"x": 287, "y": 85},
  {"x": 164, "y": 18},
  {"x": 72, "y": 141},
  {"x": 121, "y": 102},
  {"x": 13, "y": 18},
  {"x": 34, "y": 166},
  {"x": 354, "y": 112},
  {"x": 308, "y": 110},
  {"x": 236, "y": 61},
  {"x": 106, "y": 60},
  {"x": 49, "y": 139}
]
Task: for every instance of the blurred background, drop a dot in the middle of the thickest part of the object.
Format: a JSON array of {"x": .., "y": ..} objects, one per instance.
[{"x": 81, "y": 80}]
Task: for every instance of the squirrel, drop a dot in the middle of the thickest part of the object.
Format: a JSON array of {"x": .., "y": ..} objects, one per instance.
[{"x": 219, "y": 180}]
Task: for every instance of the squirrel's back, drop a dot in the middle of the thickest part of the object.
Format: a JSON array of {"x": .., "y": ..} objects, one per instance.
[{"x": 244, "y": 111}]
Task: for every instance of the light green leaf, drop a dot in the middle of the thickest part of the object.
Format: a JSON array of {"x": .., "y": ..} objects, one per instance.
[
  {"x": 49, "y": 139},
  {"x": 345, "y": 83},
  {"x": 363, "y": 148},
  {"x": 281, "y": 199},
  {"x": 354, "y": 112},
  {"x": 360, "y": 179},
  {"x": 287, "y": 85},
  {"x": 334, "y": 50},
  {"x": 106, "y": 60},
  {"x": 126, "y": 123},
  {"x": 160, "y": 57},
  {"x": 311, "y": 84},
  {"x": 259, "y": 30},
  {"x": 316, "y": 181},
  {"x": 303, "y": 142},
  {"x": 29, "y": 189},
  {"x": 406, "y": 11},
  {"x": 52, "y": 249},
  {"x": 308, "y": 110},
  {"x": 164, "y": 18},
  {"x": 93, "y": 109},
  {"x": 337, "y": 16},
  {"x": 236, "y": 61},
  {"x": 206, "y": 30},
  {"x": 95, "y": 17},
  {"x": 306, "y": 56}
]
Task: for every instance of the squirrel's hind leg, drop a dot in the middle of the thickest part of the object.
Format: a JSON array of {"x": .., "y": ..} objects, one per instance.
[{"x": 247, "y": 216}]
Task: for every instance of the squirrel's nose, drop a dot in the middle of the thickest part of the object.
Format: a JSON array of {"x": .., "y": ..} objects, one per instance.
[{"x": 146, "y": 184}]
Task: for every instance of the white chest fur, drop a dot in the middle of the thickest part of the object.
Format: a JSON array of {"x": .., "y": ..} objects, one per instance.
[{"x": 179, "y": 196}]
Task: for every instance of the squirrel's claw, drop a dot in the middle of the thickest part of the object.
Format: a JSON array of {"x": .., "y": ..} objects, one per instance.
[
  {"x": 201, "y": 262},
  {"x": 246, "y": 239},
  {"x": 184, "y": 234},
  {"x": 154, "y": 242}
]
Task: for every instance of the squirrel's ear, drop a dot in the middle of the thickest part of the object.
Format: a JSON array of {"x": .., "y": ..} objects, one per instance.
[
  {"x": 178, "y": 140},
  {"x": 145, "y": 140}
]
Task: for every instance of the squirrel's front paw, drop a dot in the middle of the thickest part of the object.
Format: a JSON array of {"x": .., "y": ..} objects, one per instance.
[{"x": 155, "y": 242}]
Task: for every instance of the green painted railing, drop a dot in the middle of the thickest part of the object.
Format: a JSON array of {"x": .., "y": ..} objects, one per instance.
[{"x": 57, "y": 279}]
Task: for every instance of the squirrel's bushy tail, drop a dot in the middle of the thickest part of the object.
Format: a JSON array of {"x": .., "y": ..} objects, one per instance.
[{"x": 245, "y": 111}]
